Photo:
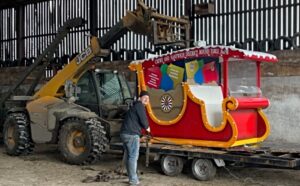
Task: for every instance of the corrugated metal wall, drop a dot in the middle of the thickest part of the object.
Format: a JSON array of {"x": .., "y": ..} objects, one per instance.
[
  {"x": 117, "y": 9},
  {"x": 43, "y": 19},
  {"x": 252, "y": 24},
  {"x": 8, "y": 36}
]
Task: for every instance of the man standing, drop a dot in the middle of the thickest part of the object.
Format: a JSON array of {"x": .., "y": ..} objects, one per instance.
[{"x": 135, "y": 121}]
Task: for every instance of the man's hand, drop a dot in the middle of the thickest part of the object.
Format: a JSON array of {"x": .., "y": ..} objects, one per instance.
[{"x": 148, "y": 130}]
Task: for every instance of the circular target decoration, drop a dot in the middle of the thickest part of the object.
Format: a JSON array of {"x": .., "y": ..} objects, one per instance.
[{"x": 166, "y": 102}]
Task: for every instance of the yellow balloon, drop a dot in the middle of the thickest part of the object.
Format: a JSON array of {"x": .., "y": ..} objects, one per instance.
[{"x": 176, "y": 74}]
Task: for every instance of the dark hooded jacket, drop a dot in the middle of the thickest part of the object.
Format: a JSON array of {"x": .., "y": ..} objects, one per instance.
[{"x": 135, "y": 119}]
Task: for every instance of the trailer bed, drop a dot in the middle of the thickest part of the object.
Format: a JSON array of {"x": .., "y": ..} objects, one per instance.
[{"x": 262, "y": 156}]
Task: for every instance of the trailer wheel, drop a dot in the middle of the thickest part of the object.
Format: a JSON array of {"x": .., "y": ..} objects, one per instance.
[
  {"x": 203, "y": 169},
  {"x": 16, "y": 135},
  {"x": 82, "y": 142},
  {"x": 171, "y": 165}
]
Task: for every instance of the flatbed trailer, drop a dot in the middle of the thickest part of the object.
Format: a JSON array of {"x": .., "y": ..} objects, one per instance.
[{"x": 206, "y": 160}]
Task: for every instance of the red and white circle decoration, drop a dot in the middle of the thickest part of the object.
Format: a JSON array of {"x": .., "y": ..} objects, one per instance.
[{"x": 166, "y": 102}]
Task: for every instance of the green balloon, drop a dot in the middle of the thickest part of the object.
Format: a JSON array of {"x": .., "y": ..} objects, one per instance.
[
  {"x": 164, "y": 68},
  {"x": 200, "y": 63}
]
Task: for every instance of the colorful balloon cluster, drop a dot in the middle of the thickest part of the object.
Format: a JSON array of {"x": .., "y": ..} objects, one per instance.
[{"x": 167, "y": 77}]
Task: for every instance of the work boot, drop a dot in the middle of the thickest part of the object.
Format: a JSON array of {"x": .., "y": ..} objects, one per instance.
[{"x": 135, "y": 184}]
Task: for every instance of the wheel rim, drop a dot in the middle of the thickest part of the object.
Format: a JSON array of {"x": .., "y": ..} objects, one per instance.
[
  {"x": 10, "y": 136},
  {"x": 76, "y": 142},
  {"x": 170, "y": 164},
  {"x": 200, "y": 168}
]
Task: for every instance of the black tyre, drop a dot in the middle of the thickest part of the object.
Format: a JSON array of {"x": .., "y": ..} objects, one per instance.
[
  {"x": 82, "y": 142},
  {"x": 203, "y": 169},
  {"x": 16, "y": 135},
  {"x": 171, "y": 165}
]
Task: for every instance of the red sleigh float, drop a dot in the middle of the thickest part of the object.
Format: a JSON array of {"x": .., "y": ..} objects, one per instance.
[{"x": 202, "y": 108}]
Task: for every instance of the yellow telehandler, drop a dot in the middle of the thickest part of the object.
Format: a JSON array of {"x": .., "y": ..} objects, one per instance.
[{"x": 81, "y": 107}]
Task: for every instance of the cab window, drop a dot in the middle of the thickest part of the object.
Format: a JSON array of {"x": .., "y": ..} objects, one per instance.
[
  {"x": 88, "y": 92},
  {"x": 110, "y": 89}
]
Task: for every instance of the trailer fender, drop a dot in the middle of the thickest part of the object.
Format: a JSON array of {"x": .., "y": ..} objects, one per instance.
[{"x": 219, "y": 162}]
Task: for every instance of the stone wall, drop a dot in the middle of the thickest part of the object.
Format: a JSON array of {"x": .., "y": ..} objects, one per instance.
[
  {"x": 10, "y": 75},
  {"x": 281, "y": 84}
]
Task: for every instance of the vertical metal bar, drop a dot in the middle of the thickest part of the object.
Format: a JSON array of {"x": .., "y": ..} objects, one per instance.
[
  {"x": 195, "y": 23},
  {"x": 269, "y": 19},
  {"x": 30, "y": 39},
  {"x": 83, "y": 37},
  {"x": 189, "y": 13},
  {"x": 80, "y": 13},
  {"x": 71, "y": 8},
  {"x": 274, "y": 19},
  {"x": 214, "y": 35},
  {"x": 225, "y": 76},
  {"x": 70, "y": 12},
  {"x": 36, "y": 31},
  {"x": 6, "y": 35},
  {"x": 100, "y": 14},
  {"x": 200, "y": 25},
  {"x": 67, "y": 48},
  {"x": 25, "y": 29},
  {"x": 14, "y": 23},
  {"x": 245, "y": 33},
  {"x": 103, "y": 15},
  {"x": 227, "y": 23},
  {"x": 209, "y": 29},
  {"x": 20, "y": 33},
  {"x": 241, "y": 21},
  {"x": 1, "y": 36},
  {"x": 9, "y": 34},
  {"x": 250, "y": 20},
  {"x": 258, "y": 24},
  {"x": 67, "y": 14},
  {"x": 218, "y": 20},
  {"x": 296, "y": 18},
  {"x": 279, "y": 19},
  {"x": 121, "y": 43},
  {"x": 205, "y": 35},
  {"x": 264, "y": 20},
  {"x": 289, "y": 18},
  {"x": 232, "y": 20},
  {"x": 109, "y": 14},
  {"x": 93, "y": 17},
  {"x": 284, "y": 22},
  {"x": 223, "y": 23},
  {"x": 41, "y": 23},
  {"x": 237, "y": 17},
  {"x": 254, "y": 19},
  {"x": 75, "y": 33},
  {"x": 28, "y": 47}
]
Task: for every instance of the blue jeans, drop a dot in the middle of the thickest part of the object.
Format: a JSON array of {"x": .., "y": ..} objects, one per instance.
[{"x": 131, "y": 145}]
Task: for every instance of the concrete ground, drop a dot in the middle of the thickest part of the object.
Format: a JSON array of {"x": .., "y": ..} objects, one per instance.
[{"x": 44, "y": 167}]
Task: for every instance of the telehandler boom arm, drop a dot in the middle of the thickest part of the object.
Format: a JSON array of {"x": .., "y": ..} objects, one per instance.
[{"x": 144, "y": 20}]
